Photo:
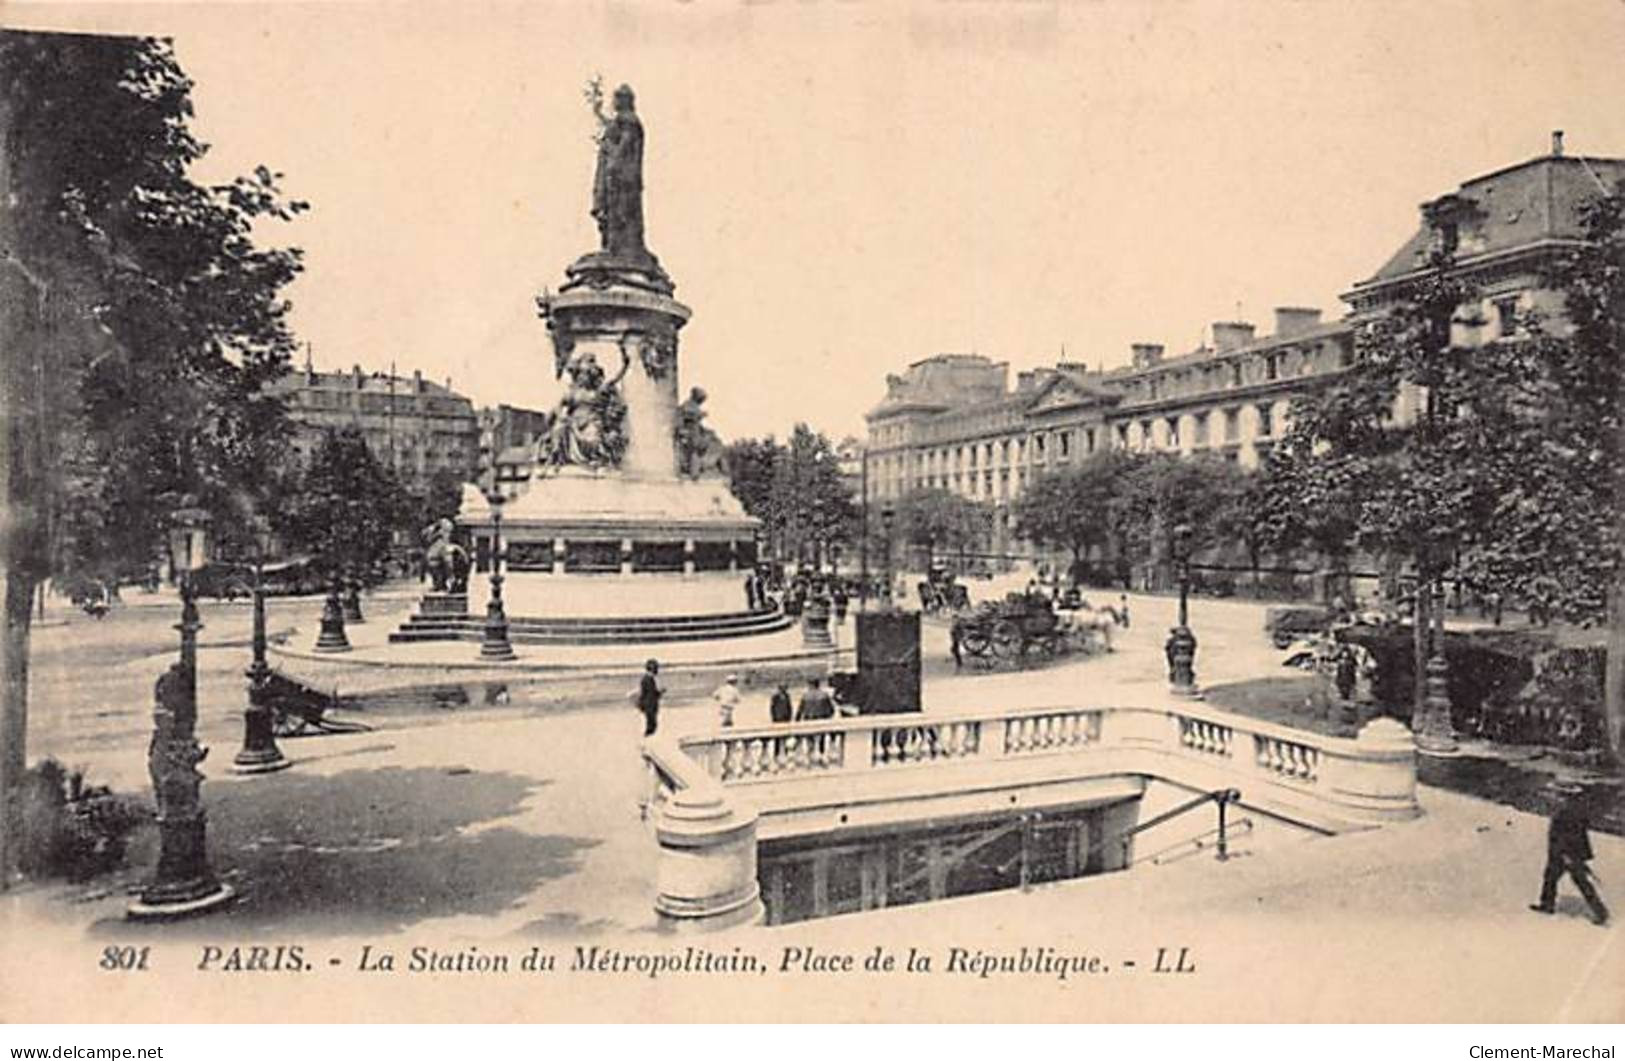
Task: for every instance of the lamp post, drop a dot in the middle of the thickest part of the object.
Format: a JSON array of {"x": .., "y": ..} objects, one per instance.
[
  {"x": 494, "y": 645},
  {"x": 332, "y": 637},
  {"x": 1181, "y": 644},
  {"x": 352, "y": 597},
  {"x": 863, "y": 536},
  {"x": 888, "y": 516},
  {"x": 182, "y": 883},
  {"x": 259, "y": 753},
  {"x": 1435, "y": 734}
]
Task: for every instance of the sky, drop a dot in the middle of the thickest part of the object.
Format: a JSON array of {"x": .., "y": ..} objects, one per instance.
[{"x": 840, "y": 189}]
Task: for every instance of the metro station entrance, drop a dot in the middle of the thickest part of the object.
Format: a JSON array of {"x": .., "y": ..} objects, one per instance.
[{"x": 810, "y": 877}]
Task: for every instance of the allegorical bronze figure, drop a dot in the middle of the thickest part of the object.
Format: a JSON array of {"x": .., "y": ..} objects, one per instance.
[{"x": 617, "y": 187}]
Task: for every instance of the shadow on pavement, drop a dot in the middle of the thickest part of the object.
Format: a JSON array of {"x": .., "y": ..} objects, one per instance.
[{"x": 370, "y": 851}]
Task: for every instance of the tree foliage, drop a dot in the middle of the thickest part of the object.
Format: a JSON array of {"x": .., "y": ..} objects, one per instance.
[
  {"x": 795, "y": 489},
  {"x": 941, "y": 519},
  {"x": 158, "y": 319},
  {"x": 1076, "y": 508},
  {"x": 345, "y": 506}
]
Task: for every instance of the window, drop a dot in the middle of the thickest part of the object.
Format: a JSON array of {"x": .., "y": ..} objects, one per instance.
[
  {"x": 1506, "y": 316},
  {"x": 1122, "y": 436},
  {"x": 1266, "y": 421},
  {"x": 1230, "y": 425},
  {"x": 1173, "y": 432},
  {"x": 1235, "y": 373},
  {"x": 1066, "y": 443},
  {"x": 1089, "y": 440},
  {"x": 1272, "y": 367},
  {"x": 1199, "y": 430}
]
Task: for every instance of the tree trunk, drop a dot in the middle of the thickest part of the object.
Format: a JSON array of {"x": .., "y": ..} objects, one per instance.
[
  {"x": 13, "y": 715},
  {"x": 1614, "y": 677}
]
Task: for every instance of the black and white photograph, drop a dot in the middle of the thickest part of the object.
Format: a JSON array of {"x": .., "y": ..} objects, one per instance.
[{"x": 740, "y": 513}]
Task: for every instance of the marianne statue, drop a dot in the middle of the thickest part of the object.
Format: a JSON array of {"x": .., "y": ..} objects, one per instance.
[{"x": 617, "y": 187}]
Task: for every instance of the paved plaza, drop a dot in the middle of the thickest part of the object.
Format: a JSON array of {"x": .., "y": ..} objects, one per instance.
[{"x": 505, "y": 826}]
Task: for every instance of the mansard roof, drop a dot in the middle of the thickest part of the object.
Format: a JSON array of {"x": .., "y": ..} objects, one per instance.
[{"x": 1514, "y": 208}]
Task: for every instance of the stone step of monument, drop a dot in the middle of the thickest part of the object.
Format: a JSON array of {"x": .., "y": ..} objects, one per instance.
[
  {"x": 588, "y": 626},
  {"x": 546, "y": 632}
]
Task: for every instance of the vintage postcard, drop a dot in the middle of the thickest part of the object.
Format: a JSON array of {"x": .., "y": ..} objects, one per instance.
[{"x": 996, "y": 512}]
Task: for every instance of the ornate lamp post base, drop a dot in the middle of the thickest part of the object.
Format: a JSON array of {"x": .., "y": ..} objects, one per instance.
[
  {"x": 1181, "y": 651},
  {"x": 495, "y": 646},
  {"x": 259, "y": 753},
  {"x": 332, "y": 637},
  {"x": 1435, "y": 734},
  {"x": 183, "y": 884},
  {"x": 142, "y": 910}
]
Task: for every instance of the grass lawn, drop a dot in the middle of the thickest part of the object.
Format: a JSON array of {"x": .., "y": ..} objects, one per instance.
[{"x": 1510, "y": 776}]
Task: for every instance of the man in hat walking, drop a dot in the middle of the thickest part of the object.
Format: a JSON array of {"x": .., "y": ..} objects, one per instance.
[
  {"x": 727, "y": 698},
  {"x": 649, "y": 693},
  {"x": 1568, "y": 849}
]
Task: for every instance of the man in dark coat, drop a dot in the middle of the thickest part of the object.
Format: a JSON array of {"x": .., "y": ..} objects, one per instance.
[
  {"x": 779, "y": 706},
  {"x": 649, "y": 693},
  {"x": 1568, "y": 849},
  {"x": 816, "y": 704}
]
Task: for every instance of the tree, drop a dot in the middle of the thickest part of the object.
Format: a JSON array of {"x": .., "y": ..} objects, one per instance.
[
  {"x": 1073, "y": 508},
  {"x": 346, "y": 507},
  {"x": 1160, "y": 492},
  {"x": 795, "y": 489},
  {"x": 142, "y": 324},
  {"x": 1424, "y": 487},
  {"x": 935, "y": 517}
]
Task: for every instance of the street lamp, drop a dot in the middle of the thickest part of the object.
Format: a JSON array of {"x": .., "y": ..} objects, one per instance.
[
  {"x": 1181, "y": 644},
  {"x": 494, "y": 645},
  {"x": 888, "y": 516},
  {"x": 259, "y": 753},
  {"x": 1435, "y": 733},
  {"x": 182, "y": 883}
]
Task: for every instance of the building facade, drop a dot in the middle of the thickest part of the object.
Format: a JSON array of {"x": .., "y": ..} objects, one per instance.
[
  {"x": 953, "y": 421},
  {"x": 417, "y": 427}
]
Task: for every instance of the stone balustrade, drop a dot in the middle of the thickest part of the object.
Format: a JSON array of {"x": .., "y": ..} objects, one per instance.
[
  {"x": 706, "y": 875},
  {"x": 1332, "y": 783},
  {"x": 887, "y": 770}
]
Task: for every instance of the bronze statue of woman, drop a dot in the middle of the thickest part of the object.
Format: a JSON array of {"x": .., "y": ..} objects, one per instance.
[{"x": 617, "y": 187}]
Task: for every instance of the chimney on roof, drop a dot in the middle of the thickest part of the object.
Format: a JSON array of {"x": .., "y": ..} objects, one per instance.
[
  {"x": 1294, "y": 320},
  {"x": 1231, "y": 335},
  {"x": 355, "y": 371},
  {"x": 1146, "y": 354},
  {"x": 417, "y": 381},
  {"x": 1557, "y": 143}
]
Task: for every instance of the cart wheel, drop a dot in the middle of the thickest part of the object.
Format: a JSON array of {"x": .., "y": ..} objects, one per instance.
[
  {"x": 974, "y": 642},
  {"x": 1006, "y": 639}
]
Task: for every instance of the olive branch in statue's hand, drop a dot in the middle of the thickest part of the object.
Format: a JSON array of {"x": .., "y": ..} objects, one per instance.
[{"x": 593, "y": 93}]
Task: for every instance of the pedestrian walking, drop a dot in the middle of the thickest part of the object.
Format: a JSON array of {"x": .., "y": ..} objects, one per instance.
[
  {"x": 649, "y": 693},
  {"x": 1568, "y": 850},
  {"x": 727, "y": 698},
  {"x": 778, "y": 706},
  {"x": 954, "y": 644},
  {"x": 816, "y": 704}
]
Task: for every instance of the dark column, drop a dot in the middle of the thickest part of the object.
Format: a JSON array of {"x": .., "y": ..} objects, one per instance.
[
  {"x": 332, "y": 637},
  {"x": 259, "y": 753}
]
